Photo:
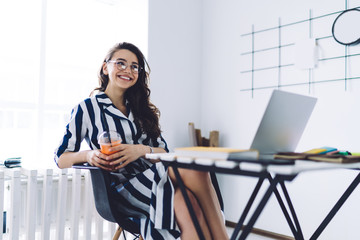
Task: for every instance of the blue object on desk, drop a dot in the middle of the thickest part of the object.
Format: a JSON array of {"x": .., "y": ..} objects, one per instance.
[{"x": 328, "y": 149}]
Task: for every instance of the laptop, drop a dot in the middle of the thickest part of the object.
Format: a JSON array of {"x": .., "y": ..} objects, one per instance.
[{"x": 283, "y": 123}]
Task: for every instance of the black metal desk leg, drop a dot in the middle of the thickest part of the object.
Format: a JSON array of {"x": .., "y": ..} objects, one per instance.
[
  {"x": 259, "y": 209},
  {"x": 299, "y": 234},
  {"x": 247, "y": 209},
  {"x": 285, "y": 211},
  {"x": 336, "y": 208},
  {"x": 188, "y": 203}
]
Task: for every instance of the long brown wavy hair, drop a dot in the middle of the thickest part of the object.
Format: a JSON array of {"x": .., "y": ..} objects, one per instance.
[{"x": 146, "y": 114}]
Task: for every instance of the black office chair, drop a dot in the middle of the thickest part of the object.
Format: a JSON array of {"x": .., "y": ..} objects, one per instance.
[{"x": 105, "y": 205}]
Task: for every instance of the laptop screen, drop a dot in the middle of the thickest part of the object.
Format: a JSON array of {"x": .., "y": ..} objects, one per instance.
[{"x": 283, "y": 122}]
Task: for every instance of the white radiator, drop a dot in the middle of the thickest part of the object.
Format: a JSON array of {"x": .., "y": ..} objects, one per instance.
[{"x": 50, "y": 204}]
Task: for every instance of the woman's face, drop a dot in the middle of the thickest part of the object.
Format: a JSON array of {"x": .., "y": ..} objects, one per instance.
[{"x": 122, "y": 69}]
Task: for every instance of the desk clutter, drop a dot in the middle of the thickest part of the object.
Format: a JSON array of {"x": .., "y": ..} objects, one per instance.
[
  {"x": 208, "y": 148},
  {"x": 196, "y": 139},
  {"x": 206, "y": 151},
  {"x": 323, "y": 154}
]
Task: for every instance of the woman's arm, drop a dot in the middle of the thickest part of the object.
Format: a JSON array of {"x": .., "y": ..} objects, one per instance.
[
  {"x": 156, "y": 150},
  {"x": 67, "y": 154},
  {"x": 93, "y": 157},
  {"x": 68, "y": 159},
  {"x": 127, "y": 153}
]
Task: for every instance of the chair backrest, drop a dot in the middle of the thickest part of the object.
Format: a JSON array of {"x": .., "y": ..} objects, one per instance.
[
  {"x": 101, "y": 195},
  {"x": 104, "y": 205}
]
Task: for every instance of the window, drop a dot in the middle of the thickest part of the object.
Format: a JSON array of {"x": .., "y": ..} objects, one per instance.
[{"x": 51, "y": 51}]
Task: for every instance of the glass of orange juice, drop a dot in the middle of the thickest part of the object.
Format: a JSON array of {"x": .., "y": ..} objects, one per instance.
[{"x": 109, "y": 139}]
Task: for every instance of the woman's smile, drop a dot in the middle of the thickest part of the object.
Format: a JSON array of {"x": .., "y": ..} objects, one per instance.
[{"x": 123, "y": 77}]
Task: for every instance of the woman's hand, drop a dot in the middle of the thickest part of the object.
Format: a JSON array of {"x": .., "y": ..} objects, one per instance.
[
  {"x": 125, "y": 154},
  {"x": 98, "y": 159}
]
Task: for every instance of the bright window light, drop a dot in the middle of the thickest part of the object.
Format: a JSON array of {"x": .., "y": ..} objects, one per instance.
[{"x": 51, "y": 51}]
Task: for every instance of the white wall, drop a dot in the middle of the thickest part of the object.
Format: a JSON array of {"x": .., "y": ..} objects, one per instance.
[
  {"x": 212, "y": 98},
  {"x": 175, "y": 39}
]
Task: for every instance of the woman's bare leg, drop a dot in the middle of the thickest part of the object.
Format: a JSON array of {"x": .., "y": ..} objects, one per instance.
[
  {"x": 183, "y": 218},
  {"x": 200, "y": 184}
]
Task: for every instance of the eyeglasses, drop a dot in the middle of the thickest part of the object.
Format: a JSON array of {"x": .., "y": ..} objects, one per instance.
[{"x": 122, "y": 65}]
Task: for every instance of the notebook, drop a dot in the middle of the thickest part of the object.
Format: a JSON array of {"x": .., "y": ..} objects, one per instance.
[{"x": 283, "y": 123}]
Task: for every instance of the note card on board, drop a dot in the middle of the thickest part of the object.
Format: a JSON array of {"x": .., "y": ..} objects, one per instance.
[{"x": 306, "y": 53}]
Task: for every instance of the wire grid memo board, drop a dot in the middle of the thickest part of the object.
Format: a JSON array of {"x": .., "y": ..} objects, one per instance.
[{"x": 270, "y": 59}]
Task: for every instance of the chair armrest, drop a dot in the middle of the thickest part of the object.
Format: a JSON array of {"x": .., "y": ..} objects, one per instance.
[{"x": 84, "y": 166}]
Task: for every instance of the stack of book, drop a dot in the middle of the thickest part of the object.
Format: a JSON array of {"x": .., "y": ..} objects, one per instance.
[{"x": 323, "y": 154}]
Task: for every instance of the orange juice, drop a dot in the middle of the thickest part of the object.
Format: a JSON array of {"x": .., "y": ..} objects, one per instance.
[
  {"x": 106, "y": 146},
  {"x": 108, "y": 139}
]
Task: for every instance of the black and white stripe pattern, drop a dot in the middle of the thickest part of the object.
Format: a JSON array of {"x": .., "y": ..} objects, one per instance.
[{"x": 144, "y": 189}]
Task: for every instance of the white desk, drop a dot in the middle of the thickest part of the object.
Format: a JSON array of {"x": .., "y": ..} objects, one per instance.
[{"x": 277, "y": 174}]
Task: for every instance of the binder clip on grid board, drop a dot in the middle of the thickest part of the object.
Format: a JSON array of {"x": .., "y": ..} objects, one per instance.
[{"x": 197, "y": 140}]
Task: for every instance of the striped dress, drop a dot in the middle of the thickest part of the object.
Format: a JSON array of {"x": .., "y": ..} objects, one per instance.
[{"x": 144, "y": 188}]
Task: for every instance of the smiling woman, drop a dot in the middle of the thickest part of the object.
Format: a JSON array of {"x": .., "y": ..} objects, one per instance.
[{"x": 50, "y": 58}]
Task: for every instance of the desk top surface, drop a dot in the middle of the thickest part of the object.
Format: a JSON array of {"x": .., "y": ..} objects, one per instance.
[{"x": 254, "y": 166}]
